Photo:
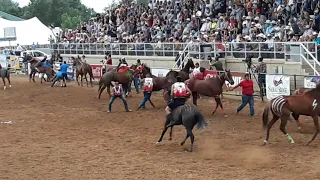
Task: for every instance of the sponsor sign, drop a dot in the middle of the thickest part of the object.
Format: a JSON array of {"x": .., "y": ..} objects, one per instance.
[
  {"x": 277, "y": 85},
  {"x": 97, "y": 71},
  {"x": 311, "y": 81}
]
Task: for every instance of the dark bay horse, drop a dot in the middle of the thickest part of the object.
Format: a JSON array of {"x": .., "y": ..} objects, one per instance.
[
  {"x": 211, "y": 87},
  {"x": 161, "y": 83},
  {"x": 82, "y": 69},
  {"x": 5, "y": 74},
  {"x": 43, "y": 69},
  {"x": 187, "y": 115},
  {"x": 184, "y": 73},
  {"x": 281, "y": 107},
  {"x": 124, "y": 78}
]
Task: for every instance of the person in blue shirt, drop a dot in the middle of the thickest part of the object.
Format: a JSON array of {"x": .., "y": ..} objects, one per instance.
[
  {"x": 57, "y": 77},
  {"x": 64, "y": 69}
]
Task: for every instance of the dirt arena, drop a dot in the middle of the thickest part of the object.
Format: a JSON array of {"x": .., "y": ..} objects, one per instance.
[{"x": 65, "y": 133}]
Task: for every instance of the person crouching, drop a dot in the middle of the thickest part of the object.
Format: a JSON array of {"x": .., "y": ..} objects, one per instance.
[
  {"x": 58, "y": 77},
  {"x": 179, "y": 94},
  {"x": 148, "y": 84},
  {"x": 117, "y": 92}
]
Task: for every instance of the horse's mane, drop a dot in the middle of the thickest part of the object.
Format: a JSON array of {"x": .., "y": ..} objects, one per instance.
[{"x": 147, "y": 67}]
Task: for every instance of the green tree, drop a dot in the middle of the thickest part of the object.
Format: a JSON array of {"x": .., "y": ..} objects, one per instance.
[
  {"x": 11, "y": 7},
  {"x": 71, "y": 20}
]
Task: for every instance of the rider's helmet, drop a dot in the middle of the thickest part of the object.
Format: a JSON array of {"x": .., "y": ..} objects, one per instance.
[{"x": 260, "y": 59}]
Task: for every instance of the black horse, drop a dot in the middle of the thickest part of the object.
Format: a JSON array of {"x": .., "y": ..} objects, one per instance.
[
  {"x": 184, "y": 73},
  {"x": 187, "y": 115}
]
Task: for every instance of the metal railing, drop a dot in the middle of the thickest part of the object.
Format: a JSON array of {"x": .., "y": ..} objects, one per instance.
[
  {"x": 183, "y": 55},
  {"x": 276, "y": 50},
  {"x": 310, "y": 60}
]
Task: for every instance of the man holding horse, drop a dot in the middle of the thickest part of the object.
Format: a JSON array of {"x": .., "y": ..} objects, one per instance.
[
  {"x": 148, "y": 84},
  {"x": 57, "y": 77},
  {"x": 118, "y": 92},
  {"x": 179, "y": 94},
  {"x": 247, "y": 93},
  {"x": 64, "y": 69}
]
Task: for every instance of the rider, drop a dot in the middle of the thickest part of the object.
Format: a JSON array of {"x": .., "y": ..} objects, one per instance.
[
  {"x": 148, "y": 84},
  {"x": 40, "y": 63},
  {"x": 64, "y": 69},
  {"x": 58, "y": 76},
  {"x": 198, "y": 72},
  {"x": 84, "y": 59},
  {"x": 123, "y": 65},
  {"x": 179, "y": 94}
]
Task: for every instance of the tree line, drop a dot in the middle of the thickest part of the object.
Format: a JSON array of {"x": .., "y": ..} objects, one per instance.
[{"x": 54, "y": 13}]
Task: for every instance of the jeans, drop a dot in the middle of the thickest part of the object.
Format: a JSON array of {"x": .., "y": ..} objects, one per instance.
[
  {"x": 55, "y": 80},
  {"x": 123, "y": 100},
  {"x": 245, "y": 100},
  {"x": 136, "y": 83},
  {"x": 146, "y": 97}
]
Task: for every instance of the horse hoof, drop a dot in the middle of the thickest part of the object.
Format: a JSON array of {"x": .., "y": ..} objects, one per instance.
[
  {"x": 170, "y": 139},
  {"x": 10, "y": 86},
  {"x": 225, "y": 116},
  {"x": 265, "y": 142},
  {"x": 158, "y": 142},
  {"x": 4, "y": 87}
]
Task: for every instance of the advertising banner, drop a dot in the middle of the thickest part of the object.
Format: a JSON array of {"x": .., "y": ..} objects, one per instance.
[
  {"x": 277, "y": 85},
  {"x": 97, "y": 71},
  {"x": 311, "y": 81}
]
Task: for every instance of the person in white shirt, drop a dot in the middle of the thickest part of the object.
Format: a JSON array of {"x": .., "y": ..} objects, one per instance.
[{"x": 270, "y": 42}]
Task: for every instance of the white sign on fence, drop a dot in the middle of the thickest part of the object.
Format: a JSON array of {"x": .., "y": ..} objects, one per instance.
[
  {"x": 277, "y": 85},
  {"x": 310, "y": 82},
  {"x": 159, "y": 72}
]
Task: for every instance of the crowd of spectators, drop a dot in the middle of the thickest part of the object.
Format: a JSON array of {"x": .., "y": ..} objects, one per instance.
[{"x": 202, "y": 21}]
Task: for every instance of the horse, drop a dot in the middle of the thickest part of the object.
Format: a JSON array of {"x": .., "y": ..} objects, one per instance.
[
  {"x": 211, "y": 87},
  {"x": 5, "y": 74},
  {"x": 42, "y": 69},
  {"x": 124, "y": 78},
  {"x": 282, "y": 106},
  {"x": 82, "y": 69},
  {"x": 184, "y": 73},
  {"x": 187, "y": 115}
]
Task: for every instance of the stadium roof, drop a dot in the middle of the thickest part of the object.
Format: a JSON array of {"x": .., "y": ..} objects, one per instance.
[{"x": 10, "y": 17}]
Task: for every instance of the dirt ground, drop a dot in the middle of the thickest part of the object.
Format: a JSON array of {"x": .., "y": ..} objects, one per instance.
[{"x": 65, "y": 133}]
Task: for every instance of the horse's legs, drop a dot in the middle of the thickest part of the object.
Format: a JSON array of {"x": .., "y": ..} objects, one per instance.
[
  {"x": 168, "y": 120},
  {"x": 170, "y": 138},
  {"x": 77, "y": 78},
  {"x": 194, "y": 98},
  {"x": 316, "y": 124},
  {"x": 85, "y": 77},
  {"x": 81, "y": 76},
  {"x": 151, "y": 103},
  {"x": 9, "y": 81},
  {"x": 284, "y": 120},
  {"x": 4, "y": 84},
  {"x": 101, "y": 90},
  {"x": 33, "y": 75},
  {"x": 41, "y": 78},
  {"x": 108, "y": 90},
  {"x": 296, "y": 118},
  {"x": 269, "y": 126},
  {"x": 217, "y": 104},
  {"x": 189, "y": 134},
  {"x": 221, "y": 106}
]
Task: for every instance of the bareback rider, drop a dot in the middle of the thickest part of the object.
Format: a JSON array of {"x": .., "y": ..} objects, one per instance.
[
  {"x": 123, "y": 66},
  {"x": 179, "y": 94},
  {"x": 198, "y": 72},
  {"x": 39, "y": 63}
]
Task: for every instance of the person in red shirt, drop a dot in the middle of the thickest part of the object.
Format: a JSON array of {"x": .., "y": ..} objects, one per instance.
[
  {"x": 109, "y": 60},
  {"x": 247, "y": 94}
]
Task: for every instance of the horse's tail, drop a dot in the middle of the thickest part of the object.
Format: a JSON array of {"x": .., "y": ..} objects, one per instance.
[
  {"x": 100, "y": 84},
  {"x": 265, "y": 115},
  {"x": 202, "y": 124}
]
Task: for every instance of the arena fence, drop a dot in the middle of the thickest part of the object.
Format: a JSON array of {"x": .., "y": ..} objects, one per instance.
[{"x": 278, "y": 50}]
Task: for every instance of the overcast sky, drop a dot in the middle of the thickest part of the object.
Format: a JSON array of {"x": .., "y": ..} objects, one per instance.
[{"x": 97, "y": 5}]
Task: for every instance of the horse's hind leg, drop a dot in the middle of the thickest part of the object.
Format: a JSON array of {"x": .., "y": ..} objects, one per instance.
[
  {"x": 9, "y": 81},
  {"x": 151, "y": 103},
  {"x": 218, "y": 99},
  {"x": 195, "y": 98},
  {"x": 269, "y": 126},
  {"x": 85, "y": 77},
  {"x": 316, "y": 124},
  {"x": 81, "y": 76},
  {"x": 284, "y": 120},
  {"x": 217, "y": 104},
  {"x": 101, "y": 90},
  {"x": 189, "y": 134},
  {"x": 296, "y": 118},
  {"x": 170, "y": 138}
]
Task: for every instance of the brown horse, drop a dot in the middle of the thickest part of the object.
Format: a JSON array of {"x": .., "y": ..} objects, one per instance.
[
  {"x": 82, "y": 69},
  {"x": 282, "y": 106},
  {"x": 211, "y": 87},
  {"x": 184, "y": 73},
  {"x": 124, "y": 78},
  {"x": 161, "y": 83},
  {"x": 43, "y": 69},
  {"x": 5, "y": 74}
]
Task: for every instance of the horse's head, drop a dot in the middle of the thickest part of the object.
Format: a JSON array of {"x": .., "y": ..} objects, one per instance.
[
  {"x": 143, "y": 69},
  {"x": 133, "y": 67},
  {"x": 190, "y": 63},
  {"x": 227, "y": 76}
]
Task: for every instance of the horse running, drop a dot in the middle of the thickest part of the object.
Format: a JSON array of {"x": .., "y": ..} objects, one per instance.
[
  {"x": 5, "y": 74},
  {"x": 211, "y": 87},
  {"x": 184, "y": 73},
  {"x": 187, "y": 115},
  {"x": 82, "y": 69},
  {"x": 282, "y": 106}
]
